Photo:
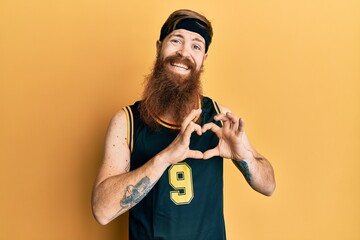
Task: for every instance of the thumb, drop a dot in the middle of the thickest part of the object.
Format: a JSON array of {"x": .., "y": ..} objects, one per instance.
[
  {"x": 195, "y": 154},
  {"x": 211, "y": 153}
]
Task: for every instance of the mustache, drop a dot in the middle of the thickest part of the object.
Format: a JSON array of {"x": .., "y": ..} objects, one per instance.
[{"x": 180, "y": 59}]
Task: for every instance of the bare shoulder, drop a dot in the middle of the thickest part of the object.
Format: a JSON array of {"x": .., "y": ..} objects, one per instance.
[
  {"x": 118, "y": 122},
  {"x": 116, "y": 159},
  {"x": 117, "y": 130}
]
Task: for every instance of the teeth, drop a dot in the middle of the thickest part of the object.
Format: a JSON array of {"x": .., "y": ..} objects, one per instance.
[{"x": 180, "y": 65}]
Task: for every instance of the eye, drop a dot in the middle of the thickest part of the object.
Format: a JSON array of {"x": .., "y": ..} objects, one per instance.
[
  {"x": 197, "y": 47},
  {"x": 175, "y": 41}
]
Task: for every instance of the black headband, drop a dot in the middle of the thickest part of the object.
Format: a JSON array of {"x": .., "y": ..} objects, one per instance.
[{"x": 190, "y": 24}]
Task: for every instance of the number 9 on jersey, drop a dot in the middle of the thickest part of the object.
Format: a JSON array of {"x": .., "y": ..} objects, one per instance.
[{"x": 180, "y": 178}]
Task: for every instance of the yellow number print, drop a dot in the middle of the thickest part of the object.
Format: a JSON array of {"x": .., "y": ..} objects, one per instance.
[{"x": 180, "y": 178}]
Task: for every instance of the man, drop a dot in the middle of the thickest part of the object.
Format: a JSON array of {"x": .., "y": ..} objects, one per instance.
[{"x": 164, "y": 155}]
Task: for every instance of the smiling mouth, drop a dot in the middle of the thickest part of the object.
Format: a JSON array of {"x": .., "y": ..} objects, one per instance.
[{"x": 179, "y": 65}]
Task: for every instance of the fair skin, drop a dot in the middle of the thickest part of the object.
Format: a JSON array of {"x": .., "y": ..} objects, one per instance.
[
  {"x": 114, "y": 189},
  {"x": 185, "y": 43}
]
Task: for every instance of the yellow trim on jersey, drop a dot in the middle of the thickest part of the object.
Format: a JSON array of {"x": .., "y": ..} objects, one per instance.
[
  {"x": 218, "y": 109},
  {"x": 172, "y": 125},
  {"x": 167, "y": 121},
  {"x": 130, "y": 127}
]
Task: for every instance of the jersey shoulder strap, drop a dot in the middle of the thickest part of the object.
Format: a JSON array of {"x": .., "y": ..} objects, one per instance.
[
  {"x": 130, "y": 126},
  {"x": 217, "y": 109},
  {"x": 216, "y": 106}
]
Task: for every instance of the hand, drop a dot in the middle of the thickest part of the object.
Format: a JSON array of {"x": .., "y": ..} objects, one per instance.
[
  {"x": 233, "y": 143},
  {"x": 179, "y": 149}
]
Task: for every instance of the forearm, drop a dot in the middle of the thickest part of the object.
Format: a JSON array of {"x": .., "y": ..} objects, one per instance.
[
  {"x": 258, "y": 172},
  {"x": 117, "y": 194}
]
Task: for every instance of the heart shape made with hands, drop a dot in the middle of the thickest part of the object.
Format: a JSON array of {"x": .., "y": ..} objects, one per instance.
[{"x": 233, "y": 143}]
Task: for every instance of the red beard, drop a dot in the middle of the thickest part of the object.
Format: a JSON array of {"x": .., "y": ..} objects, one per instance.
[{"x": 170, "y": 93}]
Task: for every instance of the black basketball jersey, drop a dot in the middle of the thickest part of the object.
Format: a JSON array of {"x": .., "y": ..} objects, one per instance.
[{"x": 187, "y": 201}]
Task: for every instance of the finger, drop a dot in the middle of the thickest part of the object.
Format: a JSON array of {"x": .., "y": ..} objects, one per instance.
[
  {"x": 211, "y": 153},
  {"x": 198, "y": 129},
  {"x": 188, "y": 130},
  {"x": 224, "y": 119},
  {"x": 189, "y": 118},
  {"x": 234, "y": 120},
  {"x": 211, "y": 126},
  {"x": 191, "y": 127},
  {"x": 241, "y": 128},
  {"x": 195, "y": 154},
  {"x": 219, "y": 116}
]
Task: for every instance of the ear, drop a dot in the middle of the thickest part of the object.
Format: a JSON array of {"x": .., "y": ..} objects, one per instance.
[
  {"x": 158, "y": 47},
  {"x": 205, "y": 57}
]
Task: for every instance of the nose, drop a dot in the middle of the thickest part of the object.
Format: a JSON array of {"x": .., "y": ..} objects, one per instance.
[{"x": 184, "y": 52}]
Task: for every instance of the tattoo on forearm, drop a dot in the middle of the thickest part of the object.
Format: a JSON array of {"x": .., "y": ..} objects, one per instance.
[
  {"x": 134, "y": 194},
  {"x": 244, "y": 168},
  {"x": 259, "y": 158}
]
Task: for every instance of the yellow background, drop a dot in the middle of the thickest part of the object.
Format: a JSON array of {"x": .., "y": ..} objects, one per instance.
[{"x": 291, "y": 69}]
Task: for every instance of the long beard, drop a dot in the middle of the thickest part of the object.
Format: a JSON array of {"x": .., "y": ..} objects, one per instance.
[{"x": 170, "y": 93}]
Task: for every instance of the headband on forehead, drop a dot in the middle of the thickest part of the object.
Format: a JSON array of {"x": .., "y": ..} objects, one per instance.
[{"x": 190, "y": 24}]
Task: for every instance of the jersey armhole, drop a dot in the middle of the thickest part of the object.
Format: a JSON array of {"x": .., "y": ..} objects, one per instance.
[{"x": 130, "y": 127}]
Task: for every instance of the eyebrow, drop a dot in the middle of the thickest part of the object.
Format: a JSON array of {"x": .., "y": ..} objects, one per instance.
[
  {"x": 199, "y": 40},
  {"x": 181, "y": 36}
]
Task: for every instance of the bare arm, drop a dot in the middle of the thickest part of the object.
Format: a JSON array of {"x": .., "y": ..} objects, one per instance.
[
  {"x": 117, "y": 189},
  {"x": 258, "y": 172},
  {"x": 234, "y": 144}
]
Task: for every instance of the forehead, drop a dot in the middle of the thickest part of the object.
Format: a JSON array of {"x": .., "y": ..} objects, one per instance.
[{"x": 188, "y": 35}]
